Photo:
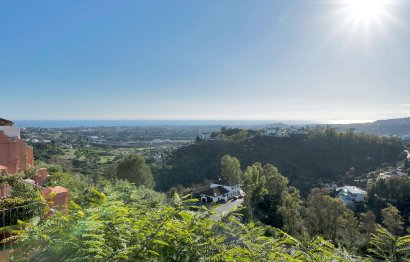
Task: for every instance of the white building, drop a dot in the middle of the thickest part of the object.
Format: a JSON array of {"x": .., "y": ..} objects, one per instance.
[
  {"x": 205, "y": 135},
  {"x": 351, "y": 195},
  {"x": 297, "y": 132},
  {"x": 220, "y": 190}
]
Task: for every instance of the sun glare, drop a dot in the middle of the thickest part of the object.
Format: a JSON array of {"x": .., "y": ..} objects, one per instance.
[
  {"x": 366, "y": 9},
  {"x": 366, "y": 18}
]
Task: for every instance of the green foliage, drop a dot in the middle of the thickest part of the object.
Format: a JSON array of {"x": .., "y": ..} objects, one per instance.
[
  {"x": 45, "y": 151},
  {"x": 23, "y": 190},
  {"x": 269, "y": 199},
  {"x": 26, "y": 202},
  {"x": 134, "y": 169},
  {"x": 76, "y": 183},
  {"x": 392, "y": 219},
  {"x": 395, "y": 190},
  {"x": 389, "y": 247},
  {"x": 233, "y": 134},
  {"x": 367, "y": 224},
  {"x": 322, "y": 156},
  {"x": 52, "y": 168},
  {"x": 124, "y": 220},
  {"x": 289, "y": 210},
  {"x": 91, "y": 198},
  {"x": 136, "y": 230},
  {"x": 13, "y": 202},
  {"x": 231, "y": 169},
  {"x": 128, "y": 193},
  {"x": 329, "y": 217}
]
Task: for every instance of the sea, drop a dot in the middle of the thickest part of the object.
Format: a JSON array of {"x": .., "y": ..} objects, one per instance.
[{"x": 107, "y": 123}]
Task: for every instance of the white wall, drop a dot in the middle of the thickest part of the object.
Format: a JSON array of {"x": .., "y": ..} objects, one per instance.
[{"x": 10, "y": 131}]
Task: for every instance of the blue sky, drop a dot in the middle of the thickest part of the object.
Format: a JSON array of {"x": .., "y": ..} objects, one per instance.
[{"x": 278, "y": 60}]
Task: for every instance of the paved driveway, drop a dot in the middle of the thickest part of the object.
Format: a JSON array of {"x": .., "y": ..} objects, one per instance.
[{"x": 225, "y": 208}]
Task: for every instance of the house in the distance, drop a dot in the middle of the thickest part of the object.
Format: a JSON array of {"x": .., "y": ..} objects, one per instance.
[
  {"x": 392, "y": 172},
  {"x": 351, "y": 195},
  {"x": 220, "y": 190}
]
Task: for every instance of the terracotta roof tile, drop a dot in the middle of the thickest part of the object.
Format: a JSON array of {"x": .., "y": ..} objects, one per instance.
[{"x": 5, "y": 122}]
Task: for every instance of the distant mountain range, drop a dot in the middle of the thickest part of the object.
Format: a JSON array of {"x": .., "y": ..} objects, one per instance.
[{"x": 390, "y": 127}]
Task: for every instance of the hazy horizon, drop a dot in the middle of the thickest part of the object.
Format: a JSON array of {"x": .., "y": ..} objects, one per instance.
[{"x": 73, "y": 123}]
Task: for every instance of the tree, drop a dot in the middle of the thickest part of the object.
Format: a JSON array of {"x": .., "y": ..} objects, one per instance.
[
  {"x": 350, "y": 175},
  {"x": 328, "y": 216},
  {"x": 392, "y": 219},
  {"x": 231, "y": 169},
  {"x": 253, "y": 187},
  {"x": 76, "y": 183},
  {"x": 367, "y": 223},
  {"x": 349, "y": 232},
  {"x": 289, "y": 210},
  {"x": 134, "y": 169},
  {"x": 305, "y": 160},
  {"x": 395, "y": 189},
  {"x": 268, "y": 197}
]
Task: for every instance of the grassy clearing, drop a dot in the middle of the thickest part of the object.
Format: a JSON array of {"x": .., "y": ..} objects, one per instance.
[
  {"x": 105, "y": 155},
  {"x": 68, "y": 154},
  {"x": 105, "y": 159}
]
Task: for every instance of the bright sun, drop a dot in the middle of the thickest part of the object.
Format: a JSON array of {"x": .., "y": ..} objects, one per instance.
[
  {"x": 366, "y": 18},
  {"x": 366, "y": 10}
]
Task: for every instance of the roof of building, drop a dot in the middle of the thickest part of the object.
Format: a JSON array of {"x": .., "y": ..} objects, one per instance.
[
  {"x": 213, "y": 192},
  {"x": 5, "y": 122},
  {"x": 222, "y": 182},
  {"x": 200, "y": 189},
  {"x": 353, "y": 190}
]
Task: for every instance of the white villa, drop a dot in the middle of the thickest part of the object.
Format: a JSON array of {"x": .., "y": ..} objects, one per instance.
[
  {"x": 351, "y": 195},
  {"x": 220, "y": 190}
]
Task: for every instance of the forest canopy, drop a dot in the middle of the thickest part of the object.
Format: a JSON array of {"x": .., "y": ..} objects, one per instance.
[{"x": 323, "y": 155}]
